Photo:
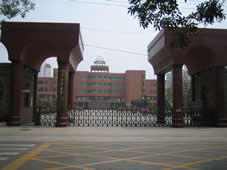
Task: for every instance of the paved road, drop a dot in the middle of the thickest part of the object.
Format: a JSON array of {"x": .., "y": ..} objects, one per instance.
[
  {"x": 10, "y": 151},
  {"x": 113, "y": 148}
]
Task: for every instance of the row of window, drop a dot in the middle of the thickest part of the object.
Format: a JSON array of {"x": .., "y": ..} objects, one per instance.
[
  {"x": 47, "y": 96},
  {"x": 100, "y": 77},
  {"x": 97, "y": 77},
  {"x": 99, "y": 84},
  {"x": 153, "y": 91},
  {"x": 99, "y": 91},
  {"x": 42, "y": 89},
  {"x": 42, "y": 82}
]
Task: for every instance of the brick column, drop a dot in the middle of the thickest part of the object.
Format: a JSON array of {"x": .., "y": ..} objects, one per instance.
[
  {"x": 62, "y": 94},
  {"x": 221, "y": 119},
  {"x": 178, "y": 118},
  {"x": 193, "y": 87},
  {"x": 71, "y": 89},
  {"x": 16, "y": 92},
  {"x": 161, "y": 98},
  {"x": 35, "y": 116}
]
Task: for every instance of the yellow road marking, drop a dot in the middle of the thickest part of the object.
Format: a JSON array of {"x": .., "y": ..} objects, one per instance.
[
  {"x": 57, "y": 163},
  {"x": 21, "y": 161},
  {"x": 68, "y": 167},
  {"x": 137, "y": 157},
  {"x": 187, "y": 156},
  {"x": 130, "y": 148},
  {"x": 197, "y": 162},
  {"x": 152, "y": 163},
  {"x": 80, "y": 154}
]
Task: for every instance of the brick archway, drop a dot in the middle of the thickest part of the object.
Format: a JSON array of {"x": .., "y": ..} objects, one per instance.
[
  {"x": 29, "y": 44},
  {"x": 206, "y": 51}
]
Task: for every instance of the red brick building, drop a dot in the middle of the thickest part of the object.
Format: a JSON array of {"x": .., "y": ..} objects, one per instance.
[{"x": 99, "y": 88}]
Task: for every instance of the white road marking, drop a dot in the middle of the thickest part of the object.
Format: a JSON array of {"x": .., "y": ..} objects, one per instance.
[
  {"x": 19, "y": 149},
  {"x": 17, "y": 145},
  {"x": 9, "y": 153},
  {"x": 3, "y": 158}
]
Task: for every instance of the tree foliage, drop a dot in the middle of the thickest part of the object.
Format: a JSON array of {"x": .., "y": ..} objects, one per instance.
[
  {"x": 167, "y": 14},
  {"x": 140, "y": 103},
  {"x": 11, "y": 8}
]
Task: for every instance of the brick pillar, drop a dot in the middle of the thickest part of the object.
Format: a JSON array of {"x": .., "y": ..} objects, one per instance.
[
  {"x": 35, "y": 116},
  {"x": 62, "y": 94},
  {"x": 221, "y": 119},
  {"x": 16, "y": 92},
  {"x": 178, "y": 118},
  {"x": 193, "y": 87},
  {"x": 161, "y": 98},
  {"x": 71, "y": 89}
]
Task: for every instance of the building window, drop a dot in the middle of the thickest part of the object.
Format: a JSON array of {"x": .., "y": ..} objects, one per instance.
[
  {"x": 40, "y": 82},
  {"x": 116, "y": 91},
  {"x": 99, "y": 91},
  {"x": 82, "y": 77},
  {"x": 91, "y": 84},
  {"x": 143, "y": 83},
  {"x": 92, "y": 91},
  {"x": 91, "y": 76},
  {"x": 82, "y": 84}
]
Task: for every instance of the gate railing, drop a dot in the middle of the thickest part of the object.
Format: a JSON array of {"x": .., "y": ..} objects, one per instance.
[
  {"x": 112, "y": 118},
  {"x": 123, "y": 117}
]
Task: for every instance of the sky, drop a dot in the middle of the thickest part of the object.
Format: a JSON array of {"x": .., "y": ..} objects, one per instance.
[{"x": 105, "y": 24}]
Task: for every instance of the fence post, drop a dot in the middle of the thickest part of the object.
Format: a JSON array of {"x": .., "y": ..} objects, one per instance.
[{"x": 37, "y": 116}]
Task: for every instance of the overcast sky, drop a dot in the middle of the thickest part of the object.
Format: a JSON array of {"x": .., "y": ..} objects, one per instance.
[{"x": 105, "y": 24}]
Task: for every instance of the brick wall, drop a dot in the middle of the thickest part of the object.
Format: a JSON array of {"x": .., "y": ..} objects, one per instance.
[{"x": 5, "y": 86}]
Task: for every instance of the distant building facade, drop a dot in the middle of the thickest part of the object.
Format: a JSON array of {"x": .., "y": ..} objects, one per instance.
[
  {"x": 101, "y": 89},
  {"x": 45, "y": 70}
]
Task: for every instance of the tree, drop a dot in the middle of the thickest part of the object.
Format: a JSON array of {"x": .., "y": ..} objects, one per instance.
[
  {"x": 166, "y": 14},
  {"x": 11, "y": 8}
]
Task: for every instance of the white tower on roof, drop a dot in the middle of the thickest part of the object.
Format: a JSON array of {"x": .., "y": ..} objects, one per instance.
[
  {"x": 99, "y": 61},
  {"x": 99, "y": 65}
]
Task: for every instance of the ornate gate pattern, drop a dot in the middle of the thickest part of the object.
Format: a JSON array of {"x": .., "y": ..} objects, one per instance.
[
  {"x": 117, "y": 118},
  {"x": 112, "y": 118}
]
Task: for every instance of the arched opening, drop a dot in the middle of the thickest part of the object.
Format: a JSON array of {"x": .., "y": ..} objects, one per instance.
[
  {"x": 4, "y": 58},
  {"x": 47, "y": 85},
  {"x": 168, "y": 92},
  {"x": 4, "y": 83},
  {"x": 186, "y": 87},
  {"x": 35, "y": 42}
]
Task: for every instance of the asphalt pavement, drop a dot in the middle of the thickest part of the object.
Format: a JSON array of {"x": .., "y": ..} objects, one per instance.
[{"x": 29, "y": 147}]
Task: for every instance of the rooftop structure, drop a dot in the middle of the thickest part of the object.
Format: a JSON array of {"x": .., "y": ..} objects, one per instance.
[{"x": 99, "y": 65}]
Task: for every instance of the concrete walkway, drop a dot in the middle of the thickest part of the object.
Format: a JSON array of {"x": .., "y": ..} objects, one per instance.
[{"x": 99, "y": 134}]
